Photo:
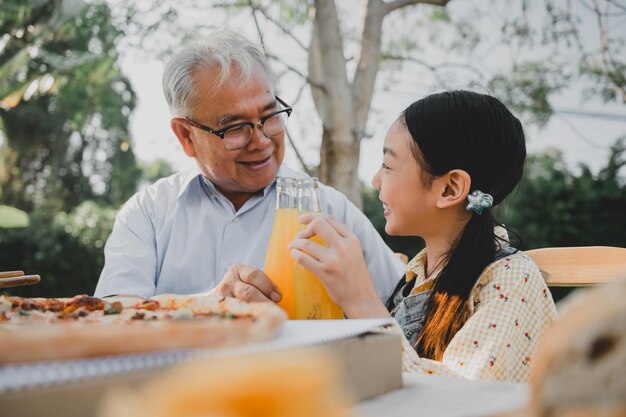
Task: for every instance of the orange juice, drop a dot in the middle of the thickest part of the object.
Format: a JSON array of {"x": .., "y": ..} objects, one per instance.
[
  {"x": 311, "y": 298},
  {"x": 279, "y": 265}
]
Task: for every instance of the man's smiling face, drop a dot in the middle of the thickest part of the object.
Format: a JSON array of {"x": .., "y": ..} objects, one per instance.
[{"x": 241, "y": 173}]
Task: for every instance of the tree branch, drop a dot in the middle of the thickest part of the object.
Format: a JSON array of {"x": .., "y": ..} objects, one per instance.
[
  {"x": 256, "y": 23},
  {"x": 605, "y": 53},
  {"x": 298, "y": 155},
  {"x": 398, "y": 4},
  {"x": 282, "y": 28},
  {"x": 297, "y": 72},
  {"x": 434, "y": 67},
  {"x": 299, "y": 95}
]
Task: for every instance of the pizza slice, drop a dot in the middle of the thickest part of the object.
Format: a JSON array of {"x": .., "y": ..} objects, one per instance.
[{"x": 37, "y": 329}]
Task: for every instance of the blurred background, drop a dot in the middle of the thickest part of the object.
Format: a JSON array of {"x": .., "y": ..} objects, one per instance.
[{"x": 84, "y": 125}]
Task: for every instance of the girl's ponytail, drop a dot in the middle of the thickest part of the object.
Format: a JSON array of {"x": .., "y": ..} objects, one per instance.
[{"x": 447, "y": 311}]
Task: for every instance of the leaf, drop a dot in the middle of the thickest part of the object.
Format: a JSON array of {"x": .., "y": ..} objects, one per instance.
[
  {"x": 440, "y": 15},
  {"x": 10, "y": 217}
]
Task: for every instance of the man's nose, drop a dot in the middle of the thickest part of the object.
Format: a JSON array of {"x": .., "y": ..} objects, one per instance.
[{"x": 258, "y": 137}]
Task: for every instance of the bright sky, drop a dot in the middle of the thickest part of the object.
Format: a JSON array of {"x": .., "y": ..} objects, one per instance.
[{"x": 582, "y": 139}]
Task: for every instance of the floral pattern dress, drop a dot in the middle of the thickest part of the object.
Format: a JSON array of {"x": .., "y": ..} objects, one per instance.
[{"x": 510, "y": 308}]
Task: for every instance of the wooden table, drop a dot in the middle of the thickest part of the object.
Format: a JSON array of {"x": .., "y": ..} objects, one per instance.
[{"x": 436, "y": 396}]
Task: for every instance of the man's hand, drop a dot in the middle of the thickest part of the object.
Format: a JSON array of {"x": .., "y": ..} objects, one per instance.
[{"x": 247, "y": 284}]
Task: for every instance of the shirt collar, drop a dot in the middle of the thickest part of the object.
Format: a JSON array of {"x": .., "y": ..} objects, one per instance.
[
  {"x": 416, "y": 268},
  {"x": 186, "y": 179}
]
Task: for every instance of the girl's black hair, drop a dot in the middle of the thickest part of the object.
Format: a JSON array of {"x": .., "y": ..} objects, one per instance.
[{"x": 478, "y": 134}]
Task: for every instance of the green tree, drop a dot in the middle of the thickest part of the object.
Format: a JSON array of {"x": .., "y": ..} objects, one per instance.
[
  {"x": 64, "y": 107},
  {"x": 555, "y": 207},
  {"x": 66, "y": 252},
  {"x": 65, "y": 153},
  {"x": 156, "y": 169}
]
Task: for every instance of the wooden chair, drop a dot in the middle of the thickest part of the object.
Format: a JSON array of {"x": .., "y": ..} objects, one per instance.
[{"x": 580, "y": 266}]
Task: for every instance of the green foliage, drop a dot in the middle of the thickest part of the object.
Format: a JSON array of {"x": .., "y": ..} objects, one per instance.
[
  {"x": 66, "y": 156},
  {"x": 293, "y": 12},
  {"x": 10, "y": 217},
  {"x": 528, "y": 89},
  {"x": 440, "y": 15},
  {"x": 66, "y": 130},
  {"x": 89, "y": 223},
  {"x": 26, "y": 27},
  {"x": 155, "y": 170},
  {"x": 66, "y": 252},
  {"x": 555, "y": 207}
]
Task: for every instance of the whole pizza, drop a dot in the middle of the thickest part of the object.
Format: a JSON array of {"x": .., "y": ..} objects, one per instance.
[{"x": 37, "y": 329}]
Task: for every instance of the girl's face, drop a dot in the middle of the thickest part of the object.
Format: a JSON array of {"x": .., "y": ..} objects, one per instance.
[{"x": 409, "y": 206}]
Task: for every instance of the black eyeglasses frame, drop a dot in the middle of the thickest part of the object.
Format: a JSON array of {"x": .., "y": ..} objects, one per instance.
[{"x": 220, "y": 132}]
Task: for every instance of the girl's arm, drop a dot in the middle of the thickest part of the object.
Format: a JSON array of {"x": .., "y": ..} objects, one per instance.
[{"x": 339, "y": 264}]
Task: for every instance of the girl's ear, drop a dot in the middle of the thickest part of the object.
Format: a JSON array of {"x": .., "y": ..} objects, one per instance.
[
  {"x": 455, "y": 187},
  {"x": 182, "y": 132}
]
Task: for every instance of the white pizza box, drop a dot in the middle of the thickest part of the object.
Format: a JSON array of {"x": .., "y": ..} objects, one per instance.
[{"x": 372, "y": 366}]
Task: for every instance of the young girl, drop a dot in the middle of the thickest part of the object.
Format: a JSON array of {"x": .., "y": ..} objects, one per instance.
[{"x": 469, "y": 304}]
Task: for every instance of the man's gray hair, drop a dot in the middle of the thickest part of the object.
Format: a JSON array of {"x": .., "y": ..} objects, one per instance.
[{"x": 219, "y": 50}]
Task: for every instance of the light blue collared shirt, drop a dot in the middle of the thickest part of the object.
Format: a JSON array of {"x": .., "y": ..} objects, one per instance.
[{"x": 181, "y": 234}]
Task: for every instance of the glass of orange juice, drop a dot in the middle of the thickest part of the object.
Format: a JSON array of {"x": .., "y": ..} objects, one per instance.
[
  {"x": 279, "y": 265},
  {"x": 311, "y": 298}
]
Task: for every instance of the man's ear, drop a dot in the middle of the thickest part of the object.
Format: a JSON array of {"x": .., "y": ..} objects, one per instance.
[
  {"x": 182, "y": 132},
  {"x": 455, "y": 187}
]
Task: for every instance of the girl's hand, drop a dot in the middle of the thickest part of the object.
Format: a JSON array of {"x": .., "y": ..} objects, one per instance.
[{"x": 339, "y": 265}]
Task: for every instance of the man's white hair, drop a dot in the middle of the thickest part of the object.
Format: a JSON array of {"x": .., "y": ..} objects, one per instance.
[{"x": 220, "y": 51}]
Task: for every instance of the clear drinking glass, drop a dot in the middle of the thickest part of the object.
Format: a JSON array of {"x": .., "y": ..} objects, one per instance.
[
  {"x": 311, "y": 298},
  {"x": 279, "y": 265}
]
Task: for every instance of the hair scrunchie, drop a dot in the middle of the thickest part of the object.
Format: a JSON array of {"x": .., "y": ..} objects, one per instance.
[{"x": 478, "y": 201}]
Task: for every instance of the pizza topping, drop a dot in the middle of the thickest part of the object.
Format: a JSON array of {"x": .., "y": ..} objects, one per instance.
[
  {"x": 113, "y": 308},
  {"x": 148, "y": 305},
  {"x": 26, "y": 305},
  {"x": 39, "y": 304},
  {"x": 84, "y": 301},
  {"x": 182, "y": 314},
  {"x": 138, "y": 316},
  {"x": 5, "y": 304}
]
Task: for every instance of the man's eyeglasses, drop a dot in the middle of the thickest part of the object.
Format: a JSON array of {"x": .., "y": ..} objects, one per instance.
[{"x": 238, "y": 135}]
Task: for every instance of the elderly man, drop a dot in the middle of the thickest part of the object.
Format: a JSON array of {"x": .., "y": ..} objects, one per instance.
[{"x": 208, "y": 229}]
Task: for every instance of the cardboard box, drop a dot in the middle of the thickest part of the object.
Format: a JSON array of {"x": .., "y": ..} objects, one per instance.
[{"x": 372, "y": 363}]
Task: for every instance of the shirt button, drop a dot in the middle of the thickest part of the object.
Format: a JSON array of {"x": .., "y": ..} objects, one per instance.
[{"x": 236, "y": 219}]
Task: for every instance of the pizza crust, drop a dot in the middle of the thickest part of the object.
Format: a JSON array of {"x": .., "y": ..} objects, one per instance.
[{"x": 234, "y": 323}]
